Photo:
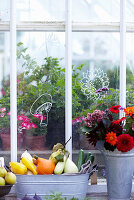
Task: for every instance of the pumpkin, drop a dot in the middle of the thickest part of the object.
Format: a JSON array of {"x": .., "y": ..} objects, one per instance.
[{"x": 45, "y": 166}]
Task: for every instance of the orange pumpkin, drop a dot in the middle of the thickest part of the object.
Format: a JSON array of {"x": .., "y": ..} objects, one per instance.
[{"x": 45, "y": 166}]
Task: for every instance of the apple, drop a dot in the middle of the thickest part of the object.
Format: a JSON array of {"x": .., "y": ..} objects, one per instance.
[
  {"x": 10, "y": 178},
  {"x": 3, "y": 172},
  {"x": 2, "y": 181}
]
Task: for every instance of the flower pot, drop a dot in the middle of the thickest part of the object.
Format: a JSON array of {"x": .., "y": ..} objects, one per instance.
[
  {"x": 119, "y": 173},
  {"x": 35, "y": 142},
  {"x": 6, "y": 141}
]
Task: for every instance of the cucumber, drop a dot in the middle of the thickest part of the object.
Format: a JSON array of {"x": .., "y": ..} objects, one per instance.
[
  {"x": 89, "y": 156},
  {"x": 80, "y": 159}
]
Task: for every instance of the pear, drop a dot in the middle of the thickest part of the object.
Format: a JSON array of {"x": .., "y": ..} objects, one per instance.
[
  {"x": 70, "y": 166},
  {"x": 2, "y": 181},
  {"x": 10, "y": 178},
  {"x": 3, "y": 172}
]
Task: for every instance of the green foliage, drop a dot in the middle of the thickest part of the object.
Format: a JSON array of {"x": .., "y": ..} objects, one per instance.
[
  {"x": 58, "y": 196},
  {"x": 49, "y": 78}
]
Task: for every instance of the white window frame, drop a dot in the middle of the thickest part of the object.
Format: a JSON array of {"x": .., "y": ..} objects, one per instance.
[{"x": 68, "y": 27}]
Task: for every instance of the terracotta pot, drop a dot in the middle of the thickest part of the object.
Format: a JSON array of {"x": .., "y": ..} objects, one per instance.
[
  {"x": 35, "y": 142},
  {"x": 6, "y": 141}
]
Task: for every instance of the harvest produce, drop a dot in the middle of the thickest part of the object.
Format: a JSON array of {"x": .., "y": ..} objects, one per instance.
[
  {"x": 80, "y": 159},
  {"x": 18, "y": 168},
  {"x": 70, "y": 166},
  {"x": 26, "y": 154},
  {"x": 36, "y": 197},
  {"x": 59, "y": 168},
  {"x": 44, "y": 166},
  {"x": 10, "y": 178},
  {"x": 29, "y": 164},
  {"x": 58, "y": 162},
  {"x": 6, "y": 177},
  {"x": 64, "y": 164},
  {"x": 3, "y": 172},
  {"x": 2, "y": 181},
  {"x": 84, "y": 158}
]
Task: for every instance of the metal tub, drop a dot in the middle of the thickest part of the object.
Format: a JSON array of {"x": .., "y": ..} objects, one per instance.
[{"x": 69, "y": 185}]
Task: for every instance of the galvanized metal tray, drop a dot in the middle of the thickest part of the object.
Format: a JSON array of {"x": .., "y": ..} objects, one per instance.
[{"x": 70, "y": 185}]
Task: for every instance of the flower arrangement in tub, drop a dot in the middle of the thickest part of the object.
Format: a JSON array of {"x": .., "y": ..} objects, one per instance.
[{"x": 107, "y": 127}]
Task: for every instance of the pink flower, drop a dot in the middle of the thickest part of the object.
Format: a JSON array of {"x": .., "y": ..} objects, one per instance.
[
  {"x": 2, "y": 114},
  {"x": 2, "y": 109},
  {"x": 18, "y": 81},
  {"x": 3, "y": 92},
  {"x": 26, "y": 119},
  {"x": 20, "y": 117},
  {"x": 8, "y": 113},
  {"x": 23, "y": 118},
  {"x": 33, "y": 125},
  {"x": 77, "y": 120},
  {"x": 40, "y": 116},
  {"x": 26, "y": 125}
]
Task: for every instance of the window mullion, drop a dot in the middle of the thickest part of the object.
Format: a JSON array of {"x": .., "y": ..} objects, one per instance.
[
  {"x": 13, "y": 81},
  {"x": 68, "y": 76},
  {"x": 122, "y": 54}
]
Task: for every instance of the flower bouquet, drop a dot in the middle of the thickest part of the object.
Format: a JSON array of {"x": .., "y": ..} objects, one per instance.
[
  {"x": 105, "y": 126},
  {"x": 116, "y": 137}
]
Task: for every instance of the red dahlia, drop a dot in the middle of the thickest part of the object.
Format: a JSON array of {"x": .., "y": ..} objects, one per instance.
[
  {"x": 119, "y": 120},
  {"x": 125, "y": 142},
  {"x": 115, "y": 109}
]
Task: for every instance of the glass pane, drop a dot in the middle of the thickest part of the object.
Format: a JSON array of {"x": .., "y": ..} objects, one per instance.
[
  {"x": 4, "y": 92},
  {"x": 96, "y": 66},
  {"x": 96, "y": 11},
  {"x": 129, "y": 10},
  {"x": 40, "y": 10},
  {"x": 41, "y": 89},
  {"x": 130, "y": 69},
  {"x": 4, "y": 10}
]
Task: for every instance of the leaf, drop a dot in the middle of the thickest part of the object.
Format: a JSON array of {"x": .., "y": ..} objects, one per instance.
[{"x": 85, "y": 129}]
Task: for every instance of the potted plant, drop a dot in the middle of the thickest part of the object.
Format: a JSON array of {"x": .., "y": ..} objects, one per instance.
[
  {"x": 23, "y": 123},
  {"x": 48, "y": 78},
  {"x": 115, "y": 138}
]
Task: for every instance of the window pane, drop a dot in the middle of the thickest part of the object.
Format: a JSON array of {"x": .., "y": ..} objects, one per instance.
[
  {"x": 41, "y": 89},
  {"x": 96, "y": 11},
  {"x": 130, "y": 69},
  {"x": 99, "y": 54},
  {"x": 41, "y": 10},
  {"x": 4, "y": 10},
  {"x": 129, "y": 10},
  {"x": 4, "y": 92}
]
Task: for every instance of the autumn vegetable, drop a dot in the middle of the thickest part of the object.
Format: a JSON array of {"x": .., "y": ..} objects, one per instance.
[
  {"x": 18, "y": 168},
  {"x": 70, "y": 166},
  {"x": 44, "y": 166},
  {"x": 29, "y": 164},
  {"x": 80, "y": 159},
  {"x": 56, "y": 156},
  {"x": 26, "y": 154},
  {"x": 60, "y": 166}
]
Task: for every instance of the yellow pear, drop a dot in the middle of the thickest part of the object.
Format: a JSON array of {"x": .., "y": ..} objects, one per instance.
[
  {"x": 3, "y": 172},
  {"x": 2, "y": 181},
  {"x": 10, "y": 178}
]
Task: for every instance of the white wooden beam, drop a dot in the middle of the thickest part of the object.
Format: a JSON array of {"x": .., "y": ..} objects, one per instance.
[
  {"x": 60, "y": 26},
  {"x": 13, "y": 81},
  {"x": 122, "y": 55},
  {"x": 68, "y": 77}
]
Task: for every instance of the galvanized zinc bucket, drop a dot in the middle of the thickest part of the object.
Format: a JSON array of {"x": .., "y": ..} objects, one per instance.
[
  {"x": 119, "y": 173},
  {"x": 69, "y": 185}
]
